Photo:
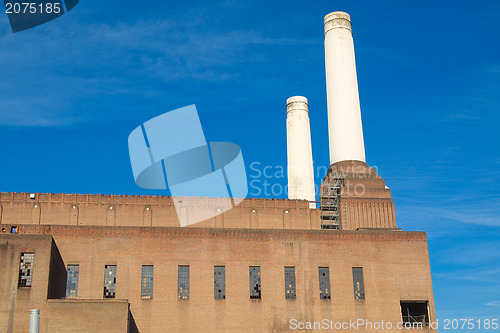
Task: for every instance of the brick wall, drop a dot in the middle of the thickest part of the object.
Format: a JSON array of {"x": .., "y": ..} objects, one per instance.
[
  {"x": 156, "y": 211},
  {"x": 395, "y": 264}
]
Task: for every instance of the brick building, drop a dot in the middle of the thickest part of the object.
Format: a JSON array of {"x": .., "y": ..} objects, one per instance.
[
  {"x": 105, "y": 263},
  {"x": 121, "y": 263}
]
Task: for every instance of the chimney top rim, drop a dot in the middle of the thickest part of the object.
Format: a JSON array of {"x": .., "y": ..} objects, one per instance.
[
  {"x": 297, "y": 99},
  {"x": 337, "y": 15},
  {"x": 296, "y": 103}
]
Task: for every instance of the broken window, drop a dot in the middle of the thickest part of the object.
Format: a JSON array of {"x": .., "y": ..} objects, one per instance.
[
  {"x": 72, "y": 281},
  {"x": 219, "y": 282},
  {"x": 415, "y": 312},
  {"x": 183, "y": 282},
  {"x": 290, "y": 282},
  {"x": 324, "y": 283},
  {"x": 147, "y": 282},
  {"x": 109, "y": 281},
  {"x": 359, "y": 285},
  {"x": 255, "y": 292},
  {"x": 26, "y": 270}
]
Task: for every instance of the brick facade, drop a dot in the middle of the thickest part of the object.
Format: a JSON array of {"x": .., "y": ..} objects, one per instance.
[{"x": 395, "y": 265}]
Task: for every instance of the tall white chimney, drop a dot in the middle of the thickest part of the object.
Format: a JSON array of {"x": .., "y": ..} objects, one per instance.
[
  {"x": 345, "y": 130},
  {"x": 300, "y": 163}
]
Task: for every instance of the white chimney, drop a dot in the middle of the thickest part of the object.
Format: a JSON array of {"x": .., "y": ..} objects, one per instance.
[
  {"x": 345, "y": 130},
  {"x": 300, "y": 163}
]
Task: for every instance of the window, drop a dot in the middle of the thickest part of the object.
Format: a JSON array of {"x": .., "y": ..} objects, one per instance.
[
  {"x": 290, "y": 282},
  {"x": 255, "y": 292},
  {"x": 359, "y": 285},
  {"x": 183, "y": 282},
  {"x": 415, "y": 312},
  {"x": 324, "y": 282},
  {"x": 219, "y": 282},
  {"x": 72, "y": 281},
  {"x": 147, "y": 282},
  {"x": 109, "y": 281},
  {"x": 26, "y": 270}
]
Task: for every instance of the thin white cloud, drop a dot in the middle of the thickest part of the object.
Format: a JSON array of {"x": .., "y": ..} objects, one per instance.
[
  {"x": 493, "y": 303},
  {"x": 474, "y": 212},
  {"x": 473, "y": 254},
  {"x": 486, "y": 274},
  {"x": 55, "y": 71}
]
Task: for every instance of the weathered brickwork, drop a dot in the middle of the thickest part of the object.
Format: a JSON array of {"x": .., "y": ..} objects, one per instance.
[
  {"x": 15, "y": 303},
  {"x": 155, "y": 211},
  {"x": 365, "y": 201},
  {"x": 126, "y": 232},
  {"x": 96, "y": 316},
  {"x": 46, "y": 291},
  {"x": 395, "y": 266}
]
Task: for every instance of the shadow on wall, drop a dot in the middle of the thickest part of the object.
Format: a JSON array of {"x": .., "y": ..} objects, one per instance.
[
  {"x": 58, "y": 274},
  {"x": 132, "y": 327}
]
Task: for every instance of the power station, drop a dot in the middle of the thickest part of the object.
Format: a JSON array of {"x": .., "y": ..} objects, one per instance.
[{"x": 123, "y": 263}]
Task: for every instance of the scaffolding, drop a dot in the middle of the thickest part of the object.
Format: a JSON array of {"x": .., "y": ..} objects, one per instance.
[{"x": 331, "y": 208}]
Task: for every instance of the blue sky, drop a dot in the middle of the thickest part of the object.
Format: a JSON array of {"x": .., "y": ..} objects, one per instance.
[{"x": 429, "y": 78}]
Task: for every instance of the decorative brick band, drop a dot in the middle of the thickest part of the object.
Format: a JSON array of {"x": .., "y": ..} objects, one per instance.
[
  {"x": 110, "y": 199},
  {"x": 255, "y": 234}
]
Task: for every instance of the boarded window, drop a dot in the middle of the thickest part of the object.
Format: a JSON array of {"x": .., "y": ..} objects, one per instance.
[
  {"x": 26, "y": 270},
  {"x": 290, "y": 282},
  {"x": 72, "y": 281},
  {"x": 359, "y": 285},
  {"x": 219, "y": 282},
  {"x": 183, "y": 282},
  {"x": 324, "y": 282},
  {"x": 109, "y": 281},
  {"x": 147, "y": 282},
  {"x": 255, "y": 292}
]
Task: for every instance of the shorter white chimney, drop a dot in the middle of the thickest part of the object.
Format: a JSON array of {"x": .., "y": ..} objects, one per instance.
[{"x": 300, "y": 163}]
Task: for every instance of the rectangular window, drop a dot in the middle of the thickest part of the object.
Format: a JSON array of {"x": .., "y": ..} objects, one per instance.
[
  {"x": 183, "y": 282},
  {"x": 415, "y": 312},
  {"x": 290, "y": 282},
  {"x": 147, "y": 282},
  {"x": 26, "y": 270},
  {"x": 359, "y": 285},
  {"x": 220, "y": 282},
  {"x": 109, "y": 281},
  {"x": 324, "y": 282},
  {"x": 255, "y": 292},
  {"x": 72, "y": 281}
]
